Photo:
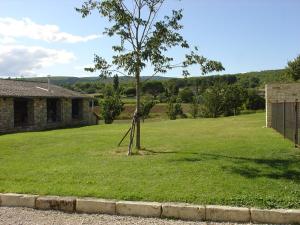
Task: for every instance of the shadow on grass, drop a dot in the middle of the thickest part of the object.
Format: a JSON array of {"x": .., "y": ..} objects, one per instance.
[
  {"x": 154, "y": 152},
  {"x": 252, "y": 167},
  {"x": 143, "y": 152}
]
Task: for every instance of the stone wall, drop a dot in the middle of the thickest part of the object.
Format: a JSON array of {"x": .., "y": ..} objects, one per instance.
[
  {"x": 38, "y": 112},
  {"x": 67, "y": 112},
  {"x": 6, "y": 113},
  {"x": 276, "y": 93}
]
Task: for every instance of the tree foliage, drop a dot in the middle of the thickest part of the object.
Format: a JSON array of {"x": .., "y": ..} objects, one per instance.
[
  {"x": 254, "y": 101},
  {"x": 116, "y": 83},
  {"x": 111, "y": 107},
  {"x": 146, "y": 107},
  {"x": 234, "y": 97},
  {"x": 293, "y": 68},
  {"x": 174, "y": 109},
  {"x": 186, "y": 95},
  {"x": 195, "y": 106},
  {"x": 213, "y": 99},
  {"x": 154, "y": 88}
]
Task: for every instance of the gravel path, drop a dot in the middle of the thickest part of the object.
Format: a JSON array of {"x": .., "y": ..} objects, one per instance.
[{"x": 24, "y": 216}]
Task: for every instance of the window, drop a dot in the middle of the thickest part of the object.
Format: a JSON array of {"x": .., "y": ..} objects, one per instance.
[
  {"x": 23, "y": 112},
  {"x": 53, "y": 110},
  {"x": 77, "y": 109}
]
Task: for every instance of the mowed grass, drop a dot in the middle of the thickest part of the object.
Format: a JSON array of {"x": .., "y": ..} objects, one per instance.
[{"x": 228, "y": 161}]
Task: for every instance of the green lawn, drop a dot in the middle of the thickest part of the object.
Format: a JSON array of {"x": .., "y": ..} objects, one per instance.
[{"x": 229, "y": 161}]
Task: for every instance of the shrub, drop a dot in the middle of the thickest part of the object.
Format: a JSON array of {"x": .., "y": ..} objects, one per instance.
[
  {"x": 174, "y": 110},
  {"x": 186, "y": 95},
  {"x": 162, "y": 98},
  {"x": 146, "y": 107},
  {"x": 112, "y": 107},
  {"x": 171, "y": 111},
  {"x": 194, "y": 107},
  {"x": 130, "y": 92},
  {"x": 100, "y": 95},
  {"x": 254, "y": 101}
]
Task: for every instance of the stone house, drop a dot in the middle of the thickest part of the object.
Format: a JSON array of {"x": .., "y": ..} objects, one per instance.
[{"x": 28, "y": 106}]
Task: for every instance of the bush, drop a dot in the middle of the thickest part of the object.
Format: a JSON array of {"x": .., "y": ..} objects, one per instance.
[
  {"x": 162, "y": 98},
  {"x": 254, "y": 101},
  {"x": 100, "y": 95},
  {"x": 194, "y": 108},
  {"x": 174, "y": 110},
  {"x": 146, "y": 107},
  {"x": 186, "y": 95},
  {"x": 112, "y": 107},
  {"x": 130, "y": 92}
]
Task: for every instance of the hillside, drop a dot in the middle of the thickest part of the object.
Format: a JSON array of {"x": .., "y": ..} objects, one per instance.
[
  {"x": 69, "y": 80},
  {"x": 266, "y": 76}
]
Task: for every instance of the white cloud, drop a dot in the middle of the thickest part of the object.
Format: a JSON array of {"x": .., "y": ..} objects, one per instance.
[
  {"x": 11, "y": 28},
  {"x": 6, "y": 40},
  {"x": 17, "y": 60}
]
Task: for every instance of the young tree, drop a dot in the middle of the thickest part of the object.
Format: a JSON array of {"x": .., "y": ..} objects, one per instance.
[
  {"x": 213, "y": 101},
  {"x": 145, "y": 38},
  {"x": 293, "y": 68},
  {"x": 116, "y": 83},
  {"x": 234, "y": 97}
]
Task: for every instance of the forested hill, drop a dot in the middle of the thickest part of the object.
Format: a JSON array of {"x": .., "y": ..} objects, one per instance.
[
  {"x": 262, "y": 77},
  {"x": 69, "y": 80}
]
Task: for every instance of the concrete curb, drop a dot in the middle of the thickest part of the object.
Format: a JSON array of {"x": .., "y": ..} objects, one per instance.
[
  {"x": 153, "y": 209},
  {"x": 93, "y": 205},
  {"x": 143, "y": 209},
  {"x": 65, "y": 204},
  {"x": 275, "y": 216},
  {"x": 18, "y": 200},
  {"x": 183, "y": 211},
  {"x": 227, "y": 214}
]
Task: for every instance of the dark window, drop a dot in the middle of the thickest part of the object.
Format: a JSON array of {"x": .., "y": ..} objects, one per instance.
[
  {"x": 53, "y": 110},
  {"x": 23, "y": 112},
  {"x": 76, "y": 108}
]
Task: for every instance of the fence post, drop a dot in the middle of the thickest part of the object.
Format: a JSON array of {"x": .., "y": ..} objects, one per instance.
[{"x": 296, "y": 123}]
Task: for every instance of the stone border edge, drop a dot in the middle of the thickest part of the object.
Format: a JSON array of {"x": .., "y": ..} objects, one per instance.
[{"x": 180, "y": 211}]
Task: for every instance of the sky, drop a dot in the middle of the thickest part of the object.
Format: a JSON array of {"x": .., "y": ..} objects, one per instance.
[{"x": 48, "y": 37}]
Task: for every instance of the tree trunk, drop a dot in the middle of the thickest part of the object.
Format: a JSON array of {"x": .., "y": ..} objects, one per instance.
[{"x": 138, "y": 111}]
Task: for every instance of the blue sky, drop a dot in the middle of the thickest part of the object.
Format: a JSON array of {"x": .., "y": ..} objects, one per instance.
[{"x": 245, "y": 35}]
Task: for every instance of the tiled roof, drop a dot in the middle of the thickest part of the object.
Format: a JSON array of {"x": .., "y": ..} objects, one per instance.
[{"x": 16, "y": 88}]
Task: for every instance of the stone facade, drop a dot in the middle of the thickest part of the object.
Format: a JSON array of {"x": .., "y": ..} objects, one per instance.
[
  {"x": 277, "y": 93},
  {"x": 6, "y": 113},
  {"x": 37, "y": 115}
]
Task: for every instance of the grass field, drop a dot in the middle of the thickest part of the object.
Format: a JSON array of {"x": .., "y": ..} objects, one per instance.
[{"x": 230, "y": 161}]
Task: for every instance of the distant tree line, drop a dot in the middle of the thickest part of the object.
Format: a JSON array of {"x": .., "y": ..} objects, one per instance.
[{"x": 208, "y": 96}]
